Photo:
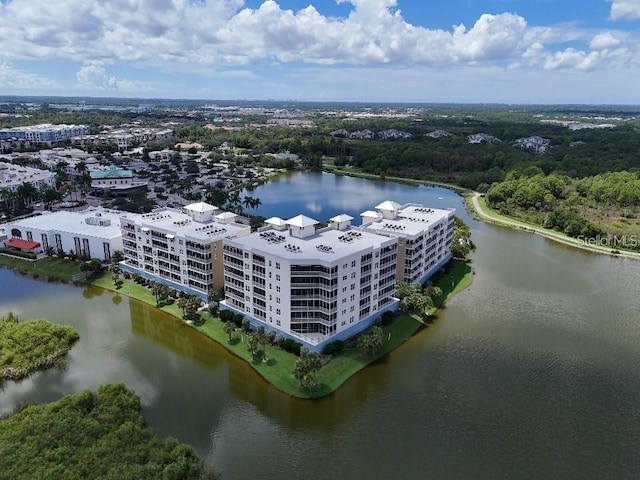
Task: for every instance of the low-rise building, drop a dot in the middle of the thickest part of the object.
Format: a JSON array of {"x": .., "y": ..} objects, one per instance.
[
  {"x": 115, "y": 181},
  {"x": 94, "y": 233},
  {"x": 182, "y": 249}
]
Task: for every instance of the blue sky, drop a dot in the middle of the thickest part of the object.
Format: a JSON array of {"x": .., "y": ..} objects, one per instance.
[{"x": 489, "y": 51}]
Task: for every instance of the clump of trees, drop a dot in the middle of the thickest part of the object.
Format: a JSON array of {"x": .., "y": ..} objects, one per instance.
[
  {"x": 92, "y": 435},
  {"x": 417, "y": 299}
]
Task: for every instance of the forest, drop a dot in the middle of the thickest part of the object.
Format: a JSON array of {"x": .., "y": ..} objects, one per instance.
[
  {"x": 607, "y": 204},
  {"x": 92, "y": 435}
]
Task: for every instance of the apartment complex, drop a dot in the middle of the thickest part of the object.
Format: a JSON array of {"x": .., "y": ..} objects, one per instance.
[
  {"x": 12, "y": 176},
  {"x": 424, "y": 236},
  {"x": 182, "y": 249},
  {"x": 318, "y": 286},
  {"x": 122, "y": 138},
  {"x": 43, "y": 133}
]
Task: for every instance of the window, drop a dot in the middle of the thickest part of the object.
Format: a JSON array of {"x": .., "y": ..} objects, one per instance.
[
  {"x": 278, "y": 322},
  {"x": 353, "y": 264},
  {"x": 353, "y": 275},
  {"x": 353, "y": 286},
  {"x": 346, "y": 265},
  {"x": 353, "y": 297},
  {"x": 344, "y": 300},
  {"x": 278, "y": 288},
  {"x": 278, "y": 313},
  {"x": 344, "y": 322},
  {"x": 344, "y": 278},
  {"x": 277, "y": 266},
  {"x": 278, "y": 300},
  {"x": 277, "y": 277}
]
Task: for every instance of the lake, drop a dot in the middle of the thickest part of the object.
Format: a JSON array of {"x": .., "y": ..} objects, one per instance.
[{"x": 534, "y": 372}]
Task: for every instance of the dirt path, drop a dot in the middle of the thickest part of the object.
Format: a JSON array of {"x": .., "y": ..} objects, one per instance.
[{"x": 555, "y": 236}]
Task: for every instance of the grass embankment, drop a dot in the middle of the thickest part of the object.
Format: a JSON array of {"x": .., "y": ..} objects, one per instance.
[
  {"x": 26, "y": 347},
  {"x": 52, "y": 267},
  {"x": 483, "y": 211},
  {"x": 92, "y": 435},
  {"x": 356, "y": 172},
  {"x": 279, "y": 367}
]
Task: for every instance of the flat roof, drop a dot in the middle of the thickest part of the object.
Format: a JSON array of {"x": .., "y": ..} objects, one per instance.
[
  {"x": 326, "y": 245},
  {"x": 175, "y": 222},
  {"x": 73, "y": 222},
  {"x": 412, "y": 220}
]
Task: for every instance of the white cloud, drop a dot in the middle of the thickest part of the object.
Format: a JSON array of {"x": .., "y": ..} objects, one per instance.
[
  {"x": 624, "y": 9},
  {"x": 604, "y": 41},
  {"x": 93, "y": 75},
  {"x": 222, "y": 39},
  {"x": 184, "y": 34},
  {"x": 18, "y": 80}
]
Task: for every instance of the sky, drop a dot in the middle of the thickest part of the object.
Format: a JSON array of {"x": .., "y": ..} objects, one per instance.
[{"x": 462, "y": 51}]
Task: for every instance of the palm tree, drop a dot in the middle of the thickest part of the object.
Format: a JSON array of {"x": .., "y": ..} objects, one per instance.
[
  {"x": 26, "y": 193},
  {"x": 229, "y": 328}
]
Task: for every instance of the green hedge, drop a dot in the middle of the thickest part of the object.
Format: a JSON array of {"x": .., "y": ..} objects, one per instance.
[{"x": 18, "y": 253}]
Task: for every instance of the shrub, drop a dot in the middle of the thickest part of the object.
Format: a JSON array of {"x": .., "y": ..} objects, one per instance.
[
  {"x": 18, "y": 253},
  {"x": 333, "y": 348},
  {"x": 295, "y": 348},
  {"x": 387, "y": 318},
  {"x": 237, "y": 319},
  {"x": 287, "y": 344},
  {"x": 226, "y": 316}
]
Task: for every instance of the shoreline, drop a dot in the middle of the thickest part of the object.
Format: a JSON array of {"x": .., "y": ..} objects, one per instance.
[
  {"x": 488, "y": 215},
  {"x": 483, "y": 212},
  {"x": 345, "y": 365}
]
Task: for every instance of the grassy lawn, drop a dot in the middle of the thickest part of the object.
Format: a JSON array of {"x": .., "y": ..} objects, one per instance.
[
  {"x": 53, "y": 267},
  {"x": 277, "y": 370}
]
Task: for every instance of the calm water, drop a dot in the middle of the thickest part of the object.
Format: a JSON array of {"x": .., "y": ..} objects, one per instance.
[{"x": 534, "y": 372}]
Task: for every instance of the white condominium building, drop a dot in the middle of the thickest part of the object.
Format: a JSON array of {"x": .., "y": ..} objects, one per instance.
[
  {"x": 45, "y": 133},
  {"x": 424, "y": 236},
  {"x": 12, "y": 176},
  {"x": 180, "y": 249},
  {"x": 315, "y": 286}
]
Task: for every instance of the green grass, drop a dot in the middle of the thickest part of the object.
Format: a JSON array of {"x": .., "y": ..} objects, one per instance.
[
  {"x": 28, "y": 346},
  {"x": 52, "y": 267},
  {"x": 279, "y": 367}
]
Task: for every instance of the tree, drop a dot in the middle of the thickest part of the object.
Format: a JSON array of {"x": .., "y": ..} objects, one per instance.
[
  {"x": 215, "y": 295},
  {"x": 161, "y": 292},
  {"x": 115, "y": 272},
  {"x": 252, "y": 344},
  {"x": 306, "y": 368},
  {"x": 370, "y": 341},
  {"x": 229, "y": 328},
  {"x": 192, "y": 306}
]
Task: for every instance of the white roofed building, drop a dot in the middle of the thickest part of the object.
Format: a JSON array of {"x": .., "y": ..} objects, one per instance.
[
  {"x": 182, "y": 249},
  {"x": 314, "y": 286},
  {"x": 94, "y": 233},
  {"x": 424, "y": 236}
]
